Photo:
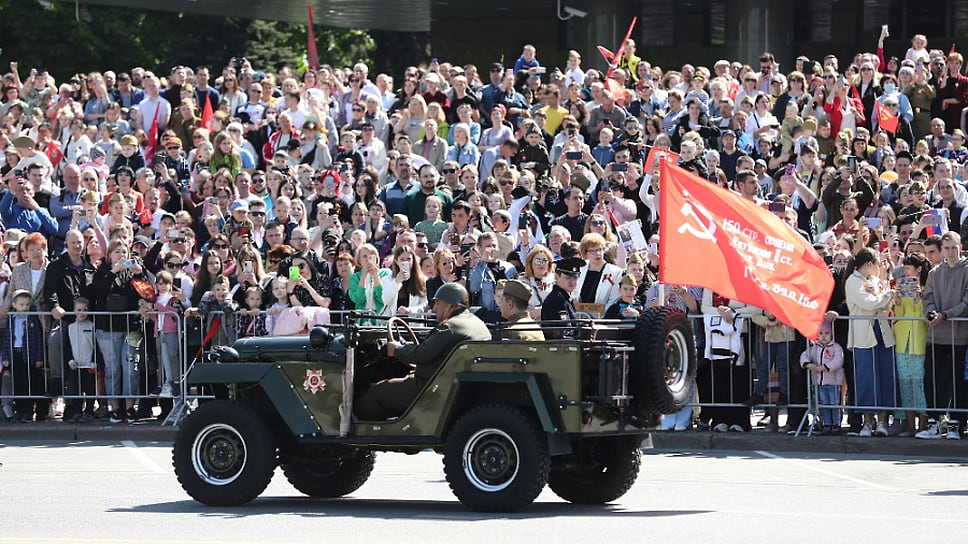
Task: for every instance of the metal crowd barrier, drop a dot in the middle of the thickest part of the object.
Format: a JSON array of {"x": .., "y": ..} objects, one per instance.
[{"x": 719, "y": 386}]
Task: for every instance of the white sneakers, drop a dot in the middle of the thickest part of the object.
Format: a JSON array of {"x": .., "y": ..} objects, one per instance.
[
  {"x": 881, "y": 430},
  {"x": 865, "y": 432},
  {"x": 947, "y": 429}
]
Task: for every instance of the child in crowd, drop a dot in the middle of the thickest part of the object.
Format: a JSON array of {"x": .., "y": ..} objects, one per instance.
[
  {"x": 217, "y": 304},
  {"x": 82, "y": 377},
  {"x": 281, "y": 296},
  {"x": 825, "y": 361},
  {"x": 252, "y": 320},
  {"x": 23, "y": 354},
  {"x": 791, "y": 121},
  {"x": 168, "y": 306},
  {"x": 807, "y": 137},
  {"x": 376, "y": 226},
  {"x": 910, "y": 336},
  {"x": 627, "y": 306},
  {"x": 603, "y": 152}
]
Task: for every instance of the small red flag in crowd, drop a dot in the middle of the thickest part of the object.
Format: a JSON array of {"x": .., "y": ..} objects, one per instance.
[
  {"x": 152, "y": 147},
  {"x": 885, "y": 119},
  {"x": 207, "y": 114},
  {"x": 713, "y": 238},
  {"x": 312, "y": 57}
]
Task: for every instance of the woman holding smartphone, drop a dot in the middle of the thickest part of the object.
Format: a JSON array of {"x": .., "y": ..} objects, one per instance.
[
  {"x": 405, "y": 290},
  {"x": 366, "y": 285}
]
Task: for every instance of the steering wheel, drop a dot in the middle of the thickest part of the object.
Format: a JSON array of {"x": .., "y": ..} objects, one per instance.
[{"x": 396, "y": 321}]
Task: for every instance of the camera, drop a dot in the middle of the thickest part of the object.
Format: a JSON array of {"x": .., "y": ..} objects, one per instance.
[
  {"x": 127, "y": 263},
  {"x": 932, "y": 315}
]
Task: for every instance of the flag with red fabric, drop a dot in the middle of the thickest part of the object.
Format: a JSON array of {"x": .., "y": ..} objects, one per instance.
[
  {"x": 152, "y": 146},
  {"x": 312, "y": 56},
  {"x": 885, "y": 119},
  {"x": 713, "y": 238},
  {"x": 207, "y": 114}
]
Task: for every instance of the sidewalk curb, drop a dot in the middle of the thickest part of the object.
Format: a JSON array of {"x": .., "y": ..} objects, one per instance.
[{"x": 660, "y": 440}]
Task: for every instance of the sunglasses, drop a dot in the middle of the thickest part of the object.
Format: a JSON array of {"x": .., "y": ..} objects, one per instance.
[
  {"x": 179, "y": 240},
  {"x": 449, "y": 170},
  {"x": 505, "y": 182},
  {"x": 257, "y": 214},
  {"x": 173, "y": 265},
  {"x": 275, "y": 261},
  {"x": 598, "y": 222},
  {"x": 173, "y": 148},
  {"x": 447, "y": 263},
  {"x": 258, "y": 180},
  {"x": 300, "y": 266},
  {"x": 220, "y": 246},
  {"x": 541, "y": 260},
  {"x": 357, "y": 109}
]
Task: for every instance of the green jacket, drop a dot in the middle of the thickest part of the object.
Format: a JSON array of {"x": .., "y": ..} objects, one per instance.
[{"x": 428, "y": 355}]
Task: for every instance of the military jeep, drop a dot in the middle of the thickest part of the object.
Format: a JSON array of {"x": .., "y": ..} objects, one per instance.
[{"x": 509, "y": 417}]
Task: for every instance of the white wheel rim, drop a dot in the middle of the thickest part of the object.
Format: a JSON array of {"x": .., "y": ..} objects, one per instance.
[
  {"x": 491, "y": 460},
  {"x": 219, "y": 454}
]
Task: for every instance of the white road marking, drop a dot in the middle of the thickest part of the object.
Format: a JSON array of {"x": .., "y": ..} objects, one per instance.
[
  {"x": 140, "y": 456},
  {"x": 820, "y": 470}
]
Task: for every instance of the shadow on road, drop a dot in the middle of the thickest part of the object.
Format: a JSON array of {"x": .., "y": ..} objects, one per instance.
[{"x": 383, "y": 509}]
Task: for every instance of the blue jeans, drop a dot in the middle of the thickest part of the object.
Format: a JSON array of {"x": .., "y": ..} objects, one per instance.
[
  {"x": 829, "y": 395},
  {"x": 120, "y": 376},
  {"x": 167, "y": 345},
  {"x": 774, "y": 353}
]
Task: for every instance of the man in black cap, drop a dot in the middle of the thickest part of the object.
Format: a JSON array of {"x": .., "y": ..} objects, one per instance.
[
  {"x": 513, "y": 303},
  {"x": 455, "y": 324},
  {"x": 558, "y": 305}
]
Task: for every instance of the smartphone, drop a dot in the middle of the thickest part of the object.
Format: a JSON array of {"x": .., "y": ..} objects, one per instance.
[
  {"x": 852, "y": 163},
  {"x": 883, "y": 245},
  {"x": 293, "y": 273},
  {"x": 653, "y": 248},
  {"x": 405, "y": 266},
  {"x": 127, "y": 263},
  {"x": 573, "y": 155},
  {"x": 789, "y": 169},
  {"x": 919, "y": 68},
  {"x": 464, "y": 248},
  {"x": 894, "y": 231},
  {"x": 873, "y": 222},
  {"x": 541, "y": 69},
  {"x": 247, "y": 267},
  {"x": 777, "y": 207},
  {"x": 83, "y": 213},
  {"x": 620, "y": 167},
  {"x": 433, "y": 60}
]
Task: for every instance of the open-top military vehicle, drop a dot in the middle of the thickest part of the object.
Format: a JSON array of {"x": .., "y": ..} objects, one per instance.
[{"x": 509, "y": 417}]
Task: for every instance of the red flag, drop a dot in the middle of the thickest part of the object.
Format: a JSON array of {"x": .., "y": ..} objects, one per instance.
[
  {"x": 952, "y": 51},
  {"x": 854, "y": 93},
  {"x": 207, "y": 114},
  {"x": 713, "y": 238},
  {"x": 312, "y": 57},
  {"x": 621, "y": 50},
  {"x": 606, "y": 54},
  {"x": 885, "y": 119},
  {"x": 152, "y": 146}
]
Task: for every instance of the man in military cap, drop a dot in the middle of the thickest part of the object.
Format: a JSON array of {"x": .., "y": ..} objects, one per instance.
[
  {"x": 513, "y": 304},
  {"x": 390, "y": 398},
  {"x": 558, "y": 305}
]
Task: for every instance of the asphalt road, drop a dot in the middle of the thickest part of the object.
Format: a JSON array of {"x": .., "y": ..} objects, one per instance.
[{"x": 112, "y": 492}]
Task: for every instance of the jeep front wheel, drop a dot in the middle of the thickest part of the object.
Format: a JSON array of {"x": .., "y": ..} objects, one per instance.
[
  {"x": 329, "y": 477},
  {"x": 496, "y": 459},
  {"x": 662, "y": 373},
  {"x": 600, "y": 471},
  {"x": 224, "y": 454}
]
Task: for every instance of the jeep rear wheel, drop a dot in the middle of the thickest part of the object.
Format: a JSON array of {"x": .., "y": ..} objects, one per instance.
[
  {"x": 224, "y": 454},
  {"x": 329, "y": 477},
  {"x": 601, "y": 470},
  {"x": 496, "y": 459},
  {"x": 662, "y": 372}
]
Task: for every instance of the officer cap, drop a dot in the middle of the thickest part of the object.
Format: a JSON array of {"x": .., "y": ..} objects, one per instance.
[{"x": 570, "y": 266}]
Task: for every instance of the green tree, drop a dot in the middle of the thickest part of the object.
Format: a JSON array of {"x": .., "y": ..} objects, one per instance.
[{"x": 114, "y": 38}]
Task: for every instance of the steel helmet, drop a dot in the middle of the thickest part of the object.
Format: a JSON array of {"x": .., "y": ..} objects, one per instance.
[{"x": 452, "y": 293}]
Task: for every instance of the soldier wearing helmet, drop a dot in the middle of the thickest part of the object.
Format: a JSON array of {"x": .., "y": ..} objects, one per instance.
[{"x": 390, "y": 398}]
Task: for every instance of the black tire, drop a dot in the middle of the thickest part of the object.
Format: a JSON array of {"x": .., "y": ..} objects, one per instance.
[
  {"x": 224, "y": 454},
  {"x": 662, "y": 373},
  {"x": 329, "y": 477},
  {"x": 496, "y": 458},
  {"x": 600, "y": 471}
]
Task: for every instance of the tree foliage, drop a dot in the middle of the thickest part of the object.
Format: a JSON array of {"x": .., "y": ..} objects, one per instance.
[{"x": 47, "y": 35}]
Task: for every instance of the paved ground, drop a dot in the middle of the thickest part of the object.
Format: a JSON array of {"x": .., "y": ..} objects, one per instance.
[{"x": 124, "y": 491}]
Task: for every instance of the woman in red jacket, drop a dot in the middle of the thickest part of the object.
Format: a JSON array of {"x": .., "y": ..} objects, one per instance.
[{"x": 844, "y": 111}]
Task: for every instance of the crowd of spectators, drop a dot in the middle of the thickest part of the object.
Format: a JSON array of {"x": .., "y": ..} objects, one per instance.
[{"x": 308, "y": 194}]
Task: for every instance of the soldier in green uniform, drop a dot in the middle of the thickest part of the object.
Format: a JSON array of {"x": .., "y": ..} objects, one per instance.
[
  {"x": 390, "y": 398},
  {"x": 513, "y": 304}
]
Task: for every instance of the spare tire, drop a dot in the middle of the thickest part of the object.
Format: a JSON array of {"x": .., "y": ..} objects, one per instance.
[{"x": 662, "y": 368}]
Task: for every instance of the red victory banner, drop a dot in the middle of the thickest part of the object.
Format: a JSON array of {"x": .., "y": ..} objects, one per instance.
[
  {"x": 713, "y": 238},
  {"x": 885, "y": 119}
]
